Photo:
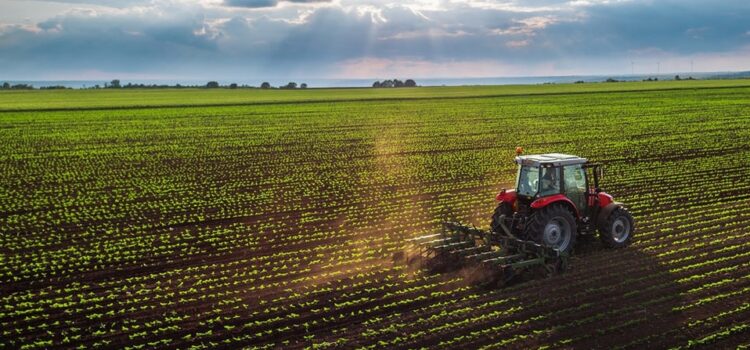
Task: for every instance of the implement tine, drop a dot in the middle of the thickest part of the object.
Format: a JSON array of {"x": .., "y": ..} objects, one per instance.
[
  {"x": 466, "y": 230},
  {"x": 416, "y": 239},
  {"x": 451, "y": 246},
  {"x": 470, "y": 249},
  {"x": 503, "y": 259},
  {"x": 438, "y": 241},
  {"x": 483, "y": 255}
]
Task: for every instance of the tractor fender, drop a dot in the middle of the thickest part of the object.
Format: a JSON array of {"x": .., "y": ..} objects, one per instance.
[
  {"x": 605, "y": 212},
  {"x": 545, "y": 201},
  {"x": 506, "y": 196},
  {"x": 605, "y": 199}
]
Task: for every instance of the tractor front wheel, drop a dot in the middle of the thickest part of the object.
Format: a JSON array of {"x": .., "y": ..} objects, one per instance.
[
  {"x": 553, "y": 226},
  {"x": 617, "y": 231}
]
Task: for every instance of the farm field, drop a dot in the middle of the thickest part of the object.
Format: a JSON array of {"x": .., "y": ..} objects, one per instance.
[{"x": 275, "y": 219}]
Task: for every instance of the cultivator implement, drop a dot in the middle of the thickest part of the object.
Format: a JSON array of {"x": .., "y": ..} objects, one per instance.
[{"x": 497, "y": 256}]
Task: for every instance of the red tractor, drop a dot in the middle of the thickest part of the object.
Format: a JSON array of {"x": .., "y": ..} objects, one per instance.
[{"x": 556, "y": 199}]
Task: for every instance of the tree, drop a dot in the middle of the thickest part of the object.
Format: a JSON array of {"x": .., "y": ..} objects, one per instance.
[
  {"x": 303, "y": 86},
  {"x": 212, "y": 84},
  {"x": 387, "y": 84},
  {"x": 376, "y": 84},
  {"x": 291, "y": 85},
  {"x": 265, "y": 85},
  {"x": 410, "y": 83},
  {"x": 677, "y": 77},
  {"x": 115, "y": 84},
  {"x": 233, "y": 85},
  {"x": 22, "y": 87},
  {"x": 6, "y": 85},
  {"x": 398, "y": 83}
]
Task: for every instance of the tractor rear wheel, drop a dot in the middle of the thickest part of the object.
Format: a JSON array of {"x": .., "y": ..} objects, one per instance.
[
  {"x": 553, "y": 226},
  {"x": 617, "y": 231},
  {"x": 503, "y": 208}
]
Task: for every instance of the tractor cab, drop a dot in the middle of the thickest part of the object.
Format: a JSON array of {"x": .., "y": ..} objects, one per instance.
[{"x": 555, "y": 174}]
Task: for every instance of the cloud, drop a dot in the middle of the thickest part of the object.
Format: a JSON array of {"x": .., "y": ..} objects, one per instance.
[
  {"x": 251, "y": 3},
  {"x": 266, "y": 3},
  {"x": 107, "y": 3},
  {"x": 272, "y": 39},
  {"x": 371, "y": 67},
  {"x": 84, "y": 40},
  {"x": 527, "y": 26},
  {"x": 677, "y": 27}
]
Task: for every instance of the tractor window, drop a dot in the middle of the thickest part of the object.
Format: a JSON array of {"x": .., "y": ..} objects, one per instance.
[
  {"x": 528, "y": 181},
  {"x": 575, "y": 185},
  {"x": 550, "y": 181}
]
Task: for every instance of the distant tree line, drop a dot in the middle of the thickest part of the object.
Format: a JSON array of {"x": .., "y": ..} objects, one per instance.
[
  {"x": 290, "y": 85},
  {"x": 395, "y": 83},
  {"x": 115, "y": 84},
  {"x": 390, "y": 83},
  {"x": 677, "y": 77},
  {"x": 612, "y": 80},
  {"x": 7, "y": 86}
]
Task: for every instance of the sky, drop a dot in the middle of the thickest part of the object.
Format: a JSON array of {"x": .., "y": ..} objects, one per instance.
[{"x": 347, "y": 39}]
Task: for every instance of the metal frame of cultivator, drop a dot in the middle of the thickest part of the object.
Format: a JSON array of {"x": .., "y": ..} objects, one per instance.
[{"x": 498, "y": 257}]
